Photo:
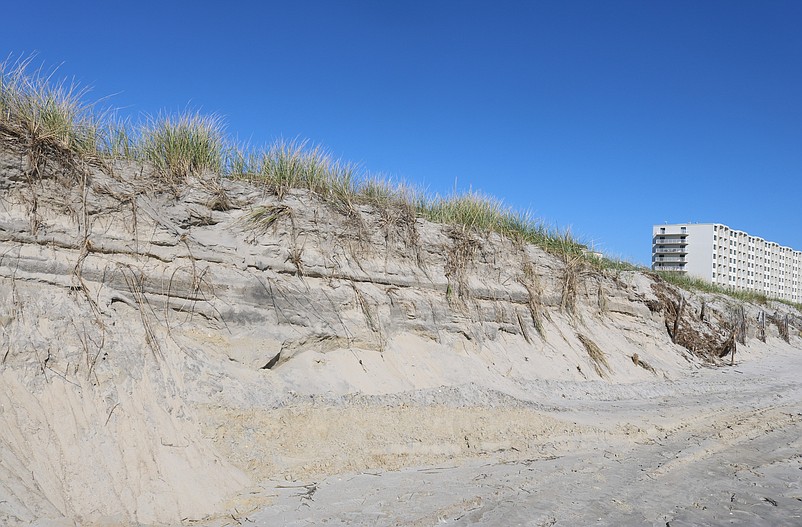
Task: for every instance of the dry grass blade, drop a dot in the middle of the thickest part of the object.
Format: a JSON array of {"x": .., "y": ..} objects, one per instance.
[
  {"x": 372, "y": 320},
  {"x": 296, "y": 258},
  {"x": 598, "y": 359},
  {"x": 134, "y": 281},
  {"x": 524, "y": 330},
  {"x": 261, "y": 218},
  {"x": 459, "y": 256},
  {"x": 531, "y": 282},
  {"x": 570, "y": 283},
  {"x": 575, "y": 260},
  {"x": 642, "y": 363}
]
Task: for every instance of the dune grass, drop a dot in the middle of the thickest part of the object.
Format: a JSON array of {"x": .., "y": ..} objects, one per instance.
[
  {"x": 480, "y": 213},
  {"x": 42, "y": 111},
  {"x": 181, "y": 146},
  {"x": 292, "y": 165},
  {"x": 284, "y": 166},
  {"x": 692, "y": 283}
]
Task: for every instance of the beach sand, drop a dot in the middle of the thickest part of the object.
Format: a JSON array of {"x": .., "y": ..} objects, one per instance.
[{"x": 720, "y": 447}]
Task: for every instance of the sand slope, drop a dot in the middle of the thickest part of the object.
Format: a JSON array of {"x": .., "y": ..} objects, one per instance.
[{"x": 162, "y": 354}]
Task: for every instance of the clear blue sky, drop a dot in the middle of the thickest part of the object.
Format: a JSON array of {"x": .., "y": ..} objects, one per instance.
[{"x": 601, "y": 116}]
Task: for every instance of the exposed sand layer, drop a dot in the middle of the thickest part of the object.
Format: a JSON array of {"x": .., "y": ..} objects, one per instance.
[
  {"x": 722, "y": 447},
  {"x": 165, "y": 350}
]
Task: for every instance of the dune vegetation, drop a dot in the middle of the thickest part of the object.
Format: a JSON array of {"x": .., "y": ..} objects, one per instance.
[
  {"x": 50, "y": 115},
  {"x": 692, "y": 283},
  {"x": 57, "y": 115}
]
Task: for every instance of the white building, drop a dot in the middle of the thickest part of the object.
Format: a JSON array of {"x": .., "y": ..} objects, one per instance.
[{"x": 729, "y": 258}]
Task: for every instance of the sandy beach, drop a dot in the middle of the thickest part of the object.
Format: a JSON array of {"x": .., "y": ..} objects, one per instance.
[{"x": 720, "y": 447}]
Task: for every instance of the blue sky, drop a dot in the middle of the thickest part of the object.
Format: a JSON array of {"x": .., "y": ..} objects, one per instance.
[{"x": 605, "y": 117}]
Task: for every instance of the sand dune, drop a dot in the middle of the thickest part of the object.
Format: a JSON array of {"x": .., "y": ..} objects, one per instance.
[{"x": 168, "y": 360}]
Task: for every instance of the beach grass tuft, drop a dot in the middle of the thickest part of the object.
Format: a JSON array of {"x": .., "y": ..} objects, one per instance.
[
  {"x": 45, "y": 112},
  {"x": 183, "y": 145}
]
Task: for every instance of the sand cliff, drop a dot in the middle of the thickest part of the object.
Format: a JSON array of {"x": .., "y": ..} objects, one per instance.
[{"x": 166, "y": 350}]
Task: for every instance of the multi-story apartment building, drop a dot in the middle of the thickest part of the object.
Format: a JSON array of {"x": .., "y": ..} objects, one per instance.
[{"x": 729, "y": 258}]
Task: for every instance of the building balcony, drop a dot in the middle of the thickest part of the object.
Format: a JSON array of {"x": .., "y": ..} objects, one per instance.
[
  {"x": 670, "y": 250},
  {"x": 669, "y": 241},
  {"x": 669, "y": 267},
  {"x": 670, "y": 259}
]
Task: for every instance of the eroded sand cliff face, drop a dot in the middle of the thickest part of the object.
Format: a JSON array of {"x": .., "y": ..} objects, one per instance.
[{"x": 164, "y": 348}]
